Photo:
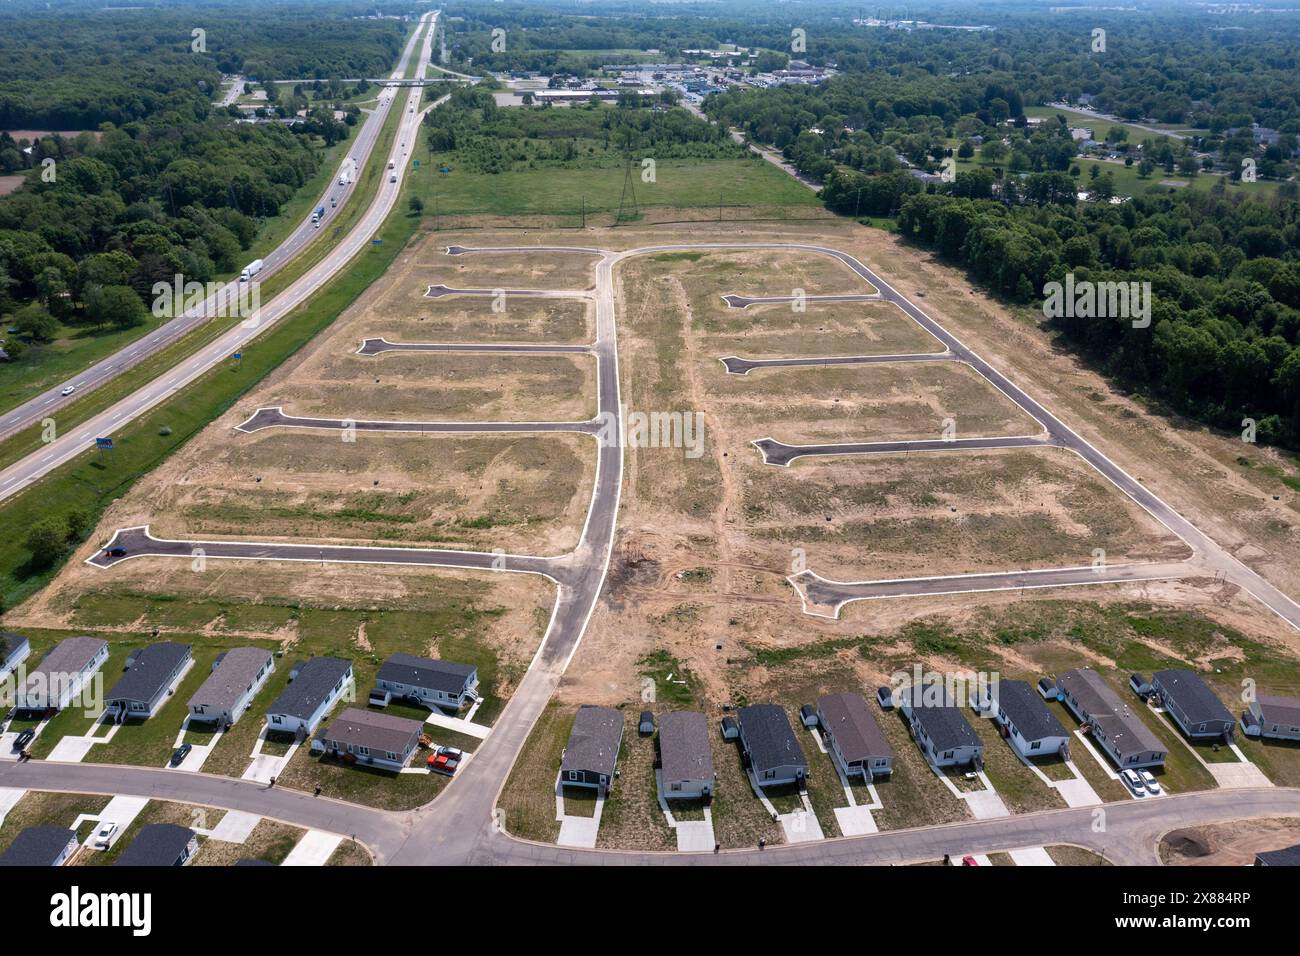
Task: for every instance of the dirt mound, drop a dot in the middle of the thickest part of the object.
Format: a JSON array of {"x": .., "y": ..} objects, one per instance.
[{"x": 1187, "y": 843}]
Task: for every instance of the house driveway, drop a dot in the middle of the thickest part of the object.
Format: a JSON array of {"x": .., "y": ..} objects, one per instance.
[
  {"x": 313, "y": 849},
  {"x": 9, "y": 796}
]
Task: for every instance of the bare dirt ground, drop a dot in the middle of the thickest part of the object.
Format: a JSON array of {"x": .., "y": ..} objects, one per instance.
[
  {"x": 775, "y": 330},
  {"x": 1228, "y": 844}
]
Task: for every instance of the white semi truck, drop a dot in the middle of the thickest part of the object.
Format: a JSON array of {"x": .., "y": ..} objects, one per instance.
[{"x": 250, "y": 270}]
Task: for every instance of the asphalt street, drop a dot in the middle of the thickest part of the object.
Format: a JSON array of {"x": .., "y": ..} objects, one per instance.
[
  {"x": 49, "y": 401},
  {"x": 74, "y": 441},
  {"x": 779, "y": 453},
  {"x": 379, "y": 346},
  {"x": 275, "y": 418},
  {"x": 745, "y": 301},
  {"x": 818, "y": 592},
  {"x": 742, "y": 366}
]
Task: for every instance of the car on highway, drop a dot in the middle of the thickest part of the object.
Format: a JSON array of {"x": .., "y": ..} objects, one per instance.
[
  {"x": 393, "y": 178},
  {"x": 1131, "y": 780},
  {"x": 103, "y": 838},
  {"x": 1149, "y": 783},
  {"x": 181, "y": 752},
  {"x": 24, "y": 738},
  {"x": 69, "y": 390}
]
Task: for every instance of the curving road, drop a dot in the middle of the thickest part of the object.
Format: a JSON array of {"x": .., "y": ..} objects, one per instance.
[{"x": 73, "y": 442}]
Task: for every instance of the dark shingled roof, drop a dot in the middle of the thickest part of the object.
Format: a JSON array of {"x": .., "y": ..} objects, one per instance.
[
  {"x": 157, "y": 844},
  {"x": 9, "y": 643},
  {"x": 151, "y": 671},
  {"x": 445, "y": 676},
  {"x": 1193, "y": 696},
  {"x": 315, "y": 681},
  {"x": 1287, "y": 856},
  {"x": 593, "y": 744},
  {"x": 37, "y": 846},
  {"x": 684, "y": 746},
  {"x": 944, "y": 723},
  {"x": 769, "y": 738},
  {"x": 1026, "y": 710},
  {"x": 847, "y": 719}
]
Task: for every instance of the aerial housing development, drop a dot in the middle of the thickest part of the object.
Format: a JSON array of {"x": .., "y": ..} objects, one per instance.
[{"x": 522, "y": 433}]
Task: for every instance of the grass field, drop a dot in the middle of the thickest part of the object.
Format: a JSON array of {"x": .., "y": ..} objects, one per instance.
[{"x": 563, "y": 192}]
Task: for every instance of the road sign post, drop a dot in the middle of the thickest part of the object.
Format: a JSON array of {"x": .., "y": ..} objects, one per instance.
[{"x": 104, "y": 444}]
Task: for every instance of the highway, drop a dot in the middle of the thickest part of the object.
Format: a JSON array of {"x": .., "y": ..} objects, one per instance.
[{"x": 77, "y": 439}]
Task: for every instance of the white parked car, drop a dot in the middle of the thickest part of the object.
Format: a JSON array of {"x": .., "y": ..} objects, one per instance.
[
  {"x": 69, "y": 390},
  {"x": 104, "y": 835},
  {"x": 1149, "y": 782},
  {"x": 1133, "y": 782}
]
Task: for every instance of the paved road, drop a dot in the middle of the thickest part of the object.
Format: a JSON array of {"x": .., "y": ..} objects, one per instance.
[
  {"x": 438, "y": 291},
  {"x": 818, "y": 592},
  {"x": 275, "y": 418},
  {"x": 49, "y": 401},
  {"x": 138, "y": 542},
  {"x": 1130, "y": 835},
  {"x": 381, "y": 345},
  {"x": 742, "y": 366},
  {"x": 779, "y": 453},
  {"x": 76, "y": 440},
  {"x": 745, "y": 301}
]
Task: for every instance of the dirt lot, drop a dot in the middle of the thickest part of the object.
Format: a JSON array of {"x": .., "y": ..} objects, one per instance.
[
  {"x": 837, "y": 328},
  {"x": 1228, "y": 844}
]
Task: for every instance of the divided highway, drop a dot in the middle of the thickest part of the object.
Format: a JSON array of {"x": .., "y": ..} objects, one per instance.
[{"x": 35, "y": 410}]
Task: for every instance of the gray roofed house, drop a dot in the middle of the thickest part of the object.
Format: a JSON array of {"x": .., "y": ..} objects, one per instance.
[
  {"x": 773, "y": 754},
  {"x": 1192, "y": 704},
  {"x": 1031, "y": 727},
  {"x": 591, "y": 755},
  {"x": 432, "y": 682},
  {"x": 940, "y": 728},
  {"x": 151, "y": 673},
  {"x": 40, "y": 846},
  {"x": 62, "y": 673},
  {"x": 856, "y": 741},
  {"x": 1119, "y": 731},
  {"x": 314, "y": 688},
  {"x": 371, "y": 737},
  {"x": 1274, "y": 718},
  {"x": 236, "y": 677},
  {"x": 14, "y": 648},
  {"x": 685, "y": 758},
  {"x": 1286, "y": 856},
  {"x": 160, "y": 844}
]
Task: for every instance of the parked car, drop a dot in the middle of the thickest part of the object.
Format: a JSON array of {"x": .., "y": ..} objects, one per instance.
[
  {"x": 445, "y": 760},
  {"x": 1149, "y": 782},
  {"x": 181, "y": 752},
  {"x": 115, "y": 552},
  {"x": 969, "y": 861},
  {"x": 24, "y": 738},
  {"x": 105, "y": 834},
  {"x": 1133, "y": 782}
]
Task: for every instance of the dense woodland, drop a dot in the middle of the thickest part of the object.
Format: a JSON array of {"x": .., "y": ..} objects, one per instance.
[{"x": 167, "y": 183}]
